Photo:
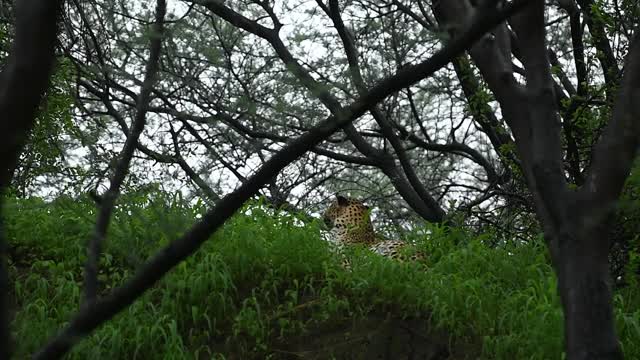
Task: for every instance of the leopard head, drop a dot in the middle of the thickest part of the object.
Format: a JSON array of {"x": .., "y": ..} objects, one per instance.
[{"x": 349, "y": 221}]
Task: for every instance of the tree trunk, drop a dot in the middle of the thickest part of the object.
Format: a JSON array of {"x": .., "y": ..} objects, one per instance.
[{"x": 584, "y": 284}]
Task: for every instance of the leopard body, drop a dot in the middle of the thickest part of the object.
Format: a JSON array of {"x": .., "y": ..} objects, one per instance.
[{"x": 349, "y": 222}]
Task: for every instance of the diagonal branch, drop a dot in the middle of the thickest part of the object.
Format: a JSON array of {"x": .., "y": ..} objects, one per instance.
[
  {"x": 432, "y": 211},
  {"x": 105, "y": 308},
  {"x": 200, "y": 183},
  {"x": 481, "y": 111},
  {"x": 122, "y": 167}
]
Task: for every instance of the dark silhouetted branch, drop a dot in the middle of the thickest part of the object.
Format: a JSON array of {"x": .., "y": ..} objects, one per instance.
[
  {"x": 618, "y": 146},
  {"x": 105, "y": 308},
  {"x": 23, "y": 82},
  {"x": 122, "y": 167}
]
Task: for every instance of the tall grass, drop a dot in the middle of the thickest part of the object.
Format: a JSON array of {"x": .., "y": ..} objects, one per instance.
[{"x": 264, "y": 279}]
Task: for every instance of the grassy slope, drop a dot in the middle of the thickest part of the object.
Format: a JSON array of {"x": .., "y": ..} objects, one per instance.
[{"x": 262, "y": 280}]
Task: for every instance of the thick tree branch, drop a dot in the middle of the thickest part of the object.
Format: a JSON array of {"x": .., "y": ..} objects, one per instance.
[
  {"x": 23, "y": 82},
  {"x": 545, "y": 147},
  {"x": 578, "y": 49},
  {"x": 105, "y": 308},
  {"x": 25, "y": 77},
  {"x": 614, "y": 153}
]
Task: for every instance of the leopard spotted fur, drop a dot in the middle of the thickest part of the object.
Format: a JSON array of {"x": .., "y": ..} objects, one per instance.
[{"x": 349, "y": 222}]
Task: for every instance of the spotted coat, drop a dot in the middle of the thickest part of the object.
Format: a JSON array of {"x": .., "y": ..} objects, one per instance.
[{"x": 349, "y": 222}]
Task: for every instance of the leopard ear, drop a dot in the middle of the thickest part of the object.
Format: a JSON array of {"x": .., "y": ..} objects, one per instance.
[{"x": 342, "y": 201}]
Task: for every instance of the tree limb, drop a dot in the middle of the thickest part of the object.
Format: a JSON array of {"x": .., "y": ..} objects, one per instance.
[
  {"x": 23, "y": 82},
  {"x": 614, "y": 153},
  {"x": 105, "y": 308},
  {"x": 122, "y": 167}
]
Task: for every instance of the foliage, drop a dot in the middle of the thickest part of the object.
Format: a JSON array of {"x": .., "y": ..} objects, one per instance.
[
  {"x": 45, "y": 149},
  {"x": 231, "y": 92},
  {"x": 266, "y": 278},
  {"x": 44, "y": 153}
]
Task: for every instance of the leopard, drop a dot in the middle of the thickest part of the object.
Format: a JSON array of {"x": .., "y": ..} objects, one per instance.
[{"x": 349, "y": 222}]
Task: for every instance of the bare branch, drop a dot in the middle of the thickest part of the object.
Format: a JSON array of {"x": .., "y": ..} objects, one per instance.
[
  {"x": 208, "y": 191},
  {"x": 122, "y": 167},
  {"x": 105, "y": 308}
]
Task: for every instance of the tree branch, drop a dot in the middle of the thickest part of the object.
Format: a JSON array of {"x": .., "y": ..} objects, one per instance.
[
  {"x": 614, "y": 153},
  {"x": 122, "y": 167},
  {"x": 604, "y": 54},
  {"x": 105, "y": 308},
  {"x": 545, "y": 148},
  {"x": 436, "y": 213},
  {"x": 208, "y": 191},
  {"x": 23, "y": 82}
]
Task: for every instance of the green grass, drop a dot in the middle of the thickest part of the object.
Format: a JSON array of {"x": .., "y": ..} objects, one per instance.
[{"x": 263, "y": 280}]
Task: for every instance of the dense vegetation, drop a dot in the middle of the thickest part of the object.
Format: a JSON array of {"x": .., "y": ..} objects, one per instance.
[
  {"x": 265, "y": 280},
  {"x": 510, "y": 127}
]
